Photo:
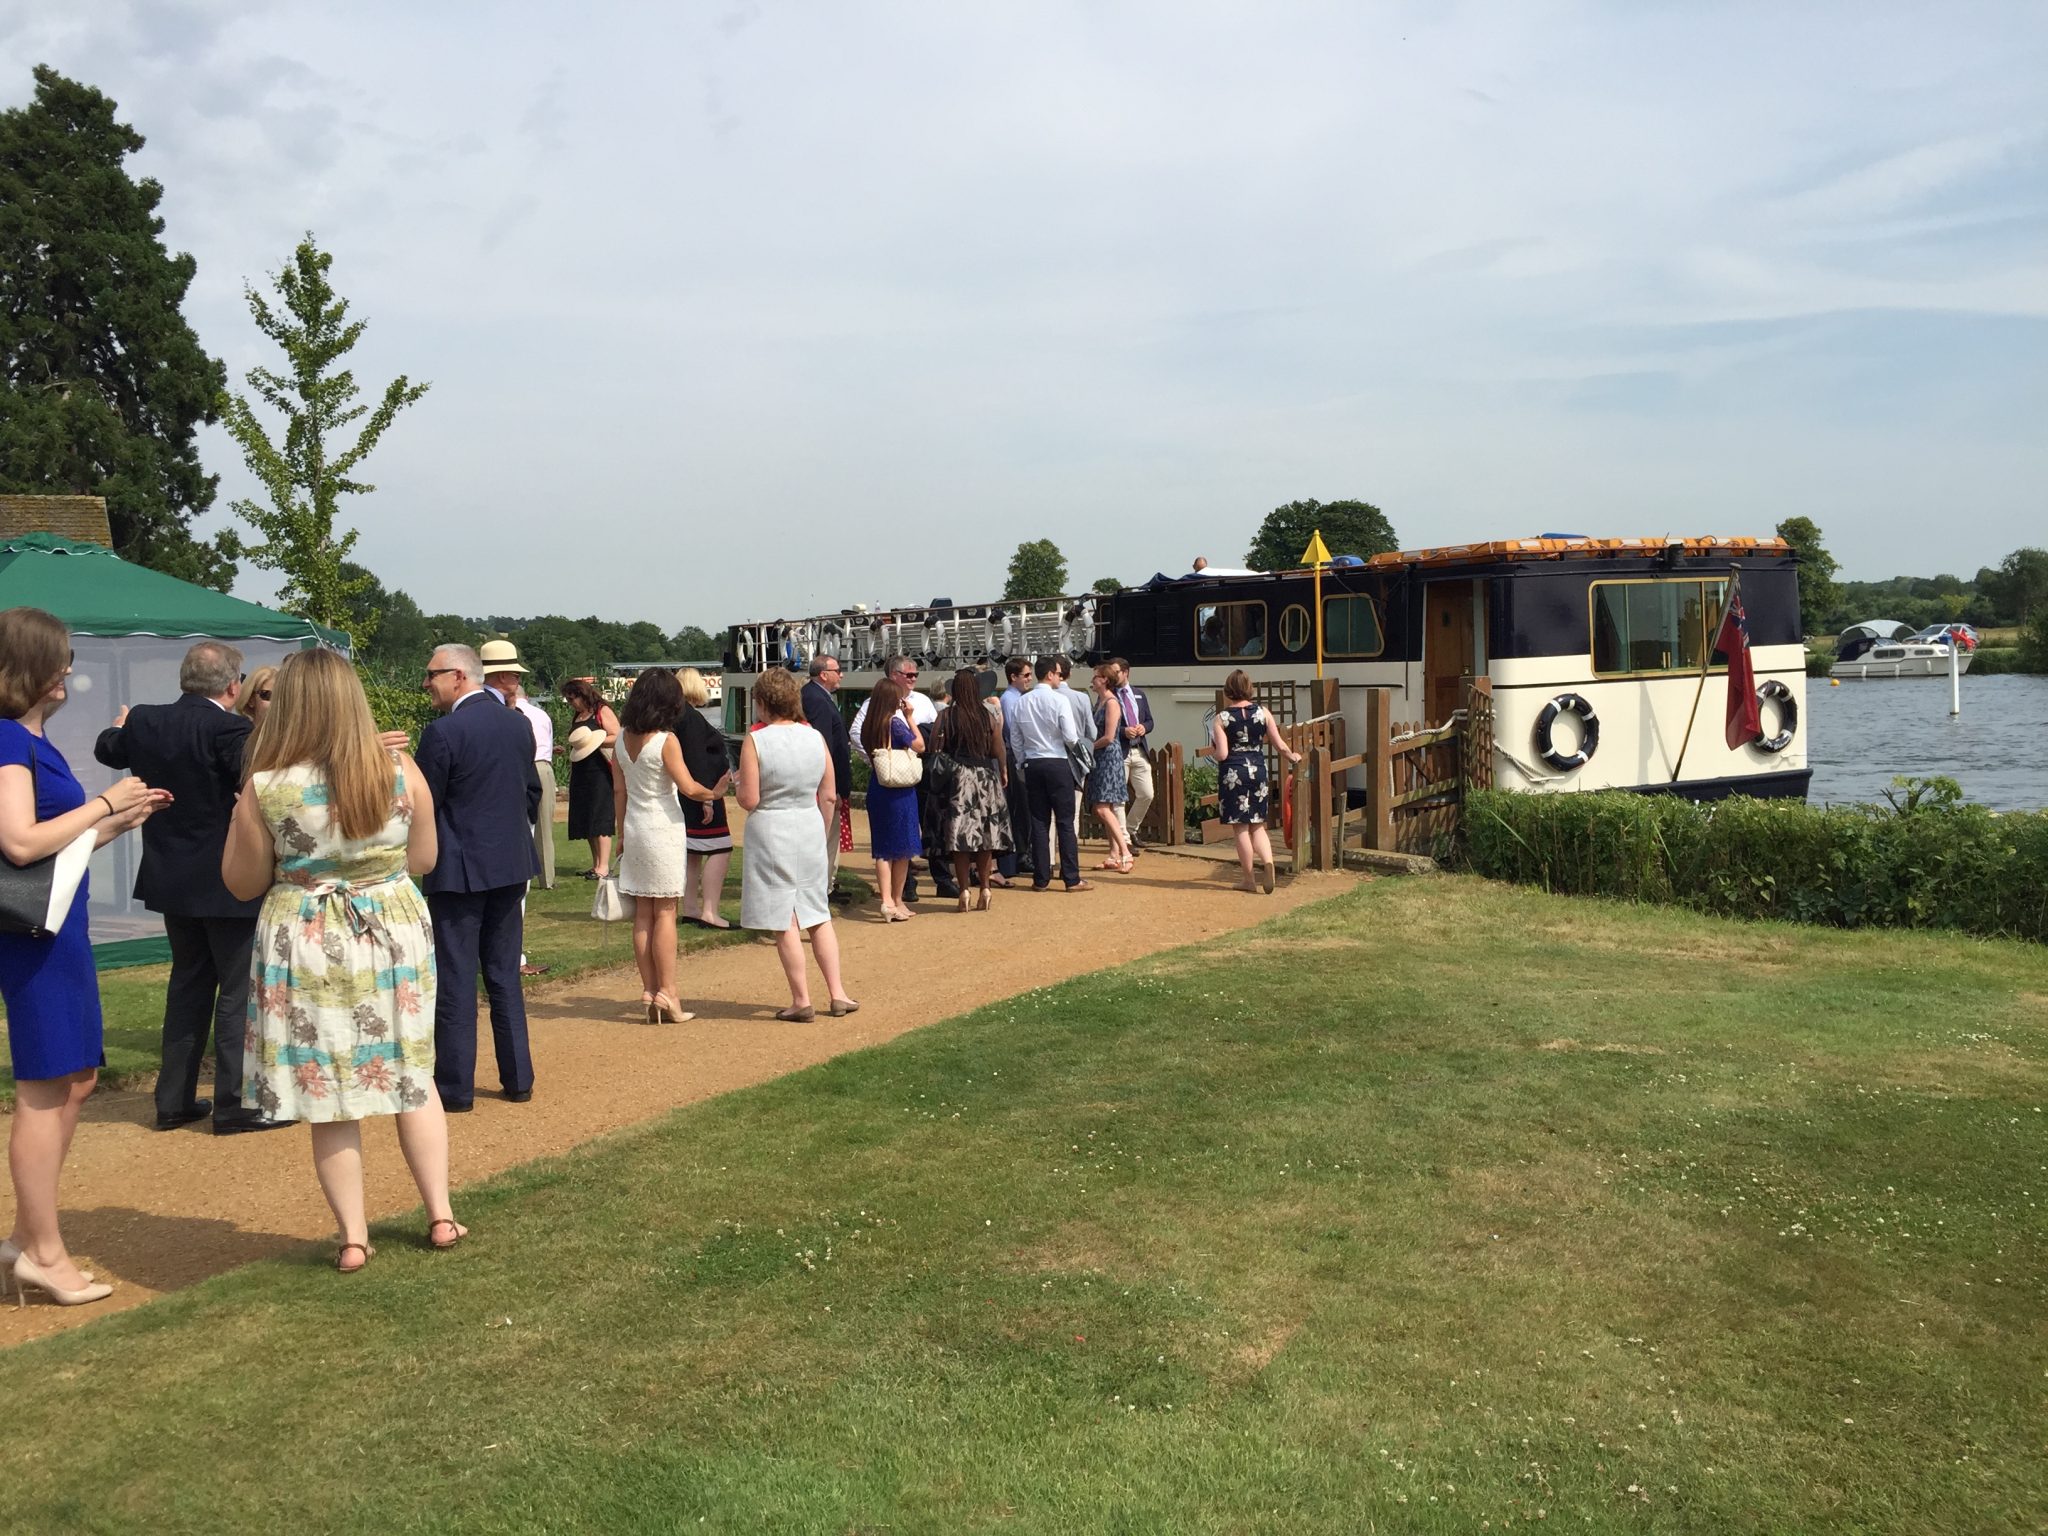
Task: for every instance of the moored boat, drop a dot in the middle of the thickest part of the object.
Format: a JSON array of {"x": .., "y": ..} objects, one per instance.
[
  {"x": 1598, "y": 651},
  {"x": 1886, "y": 648}
]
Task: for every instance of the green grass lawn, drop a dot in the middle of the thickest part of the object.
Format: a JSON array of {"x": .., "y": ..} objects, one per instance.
[
  {"x": 559, "y": 935},
  {"x": 1440, "y": 1206}
]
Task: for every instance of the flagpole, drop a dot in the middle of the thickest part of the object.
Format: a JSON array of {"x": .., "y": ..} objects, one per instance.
[
  {"x": 1319, "y": 620},
  {"x": 1706, "y": 660}
]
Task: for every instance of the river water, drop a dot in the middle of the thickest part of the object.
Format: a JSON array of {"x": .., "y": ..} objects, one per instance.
[{"x": 1861, "y": 734}]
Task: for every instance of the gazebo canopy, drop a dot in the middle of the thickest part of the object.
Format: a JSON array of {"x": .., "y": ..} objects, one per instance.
[{"x": 96, "y": 592}]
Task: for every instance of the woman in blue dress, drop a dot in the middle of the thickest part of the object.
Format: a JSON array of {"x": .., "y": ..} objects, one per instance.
[
  {"x": 1239, "y": 736},
  {"x": 892, "y": 813},
  {"x": 49, "y": 984},
  {"x": 1109, "y": 785}
]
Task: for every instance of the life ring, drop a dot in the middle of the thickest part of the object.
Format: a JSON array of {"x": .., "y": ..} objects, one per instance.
[
  {"x": 1589, "y": 732},
  {"x": 1788, "y": 716},
  {"x": 831, "y": 638},
  {"x": 1081, "y": 630},
  {"x": 743, "y": 648}
]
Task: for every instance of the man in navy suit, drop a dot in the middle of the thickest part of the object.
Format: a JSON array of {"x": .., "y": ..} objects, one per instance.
[
  {"x": 822, "y": 710},
  {"x": 193, "y": 748},
  {"x": 1137, "y": 735},
  {"x": 478, "y": 761}
]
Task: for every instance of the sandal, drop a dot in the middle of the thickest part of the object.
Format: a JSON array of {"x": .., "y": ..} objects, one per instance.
[
  {"x": 453, "y": 1225},
  {"x": 341, "y": 1253}
]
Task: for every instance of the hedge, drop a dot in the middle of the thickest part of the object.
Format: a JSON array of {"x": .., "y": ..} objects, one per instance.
[
  {"x": 398, "y": 705},
  {"x": 1925, "y": 860}
]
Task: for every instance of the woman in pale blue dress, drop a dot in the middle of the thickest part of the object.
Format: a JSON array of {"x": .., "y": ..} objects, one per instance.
[{"x": 785, "y": 775}]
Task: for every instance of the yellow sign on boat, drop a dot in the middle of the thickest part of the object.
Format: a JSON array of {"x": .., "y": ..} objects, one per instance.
[{"x": 1317, "y": 553}]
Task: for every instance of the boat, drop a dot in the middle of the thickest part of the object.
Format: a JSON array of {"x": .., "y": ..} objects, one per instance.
[
  {"x": 1597, "y": 651},
  {"x": 1886, "y": 648}
]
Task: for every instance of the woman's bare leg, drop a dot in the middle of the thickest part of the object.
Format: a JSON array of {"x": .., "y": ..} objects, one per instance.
[
  {"x": 711, "y": 869},
  {"x": 825, "y": 949},
  {"x": 960, "y": 881},
  {"x": 693, "y": 871},
  {"x": 45, "y": 1114},
  {"x": 1243, "y": 834},
  {"x": 661, "y": 943},
  {"x": 423, "y": 1138},
  {"x": 601, "y": 854},
  {"x": 789, "y": 949},
  {"x": 338, "y": 1161},
  {"x": 643, "y": 945}
]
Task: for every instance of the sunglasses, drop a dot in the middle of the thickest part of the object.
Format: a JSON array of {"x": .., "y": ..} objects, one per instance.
[
  {"x": 434, "y": 672},
  {"x": 263, "y": 694}
]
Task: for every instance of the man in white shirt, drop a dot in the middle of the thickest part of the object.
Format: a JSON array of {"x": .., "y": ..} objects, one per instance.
[
  {"x": 504, "y": 675},
  {"x": 1018, "y": 860},
  {"x": 1084, "y": 722},
  {"x": 1045, "y": 729}
]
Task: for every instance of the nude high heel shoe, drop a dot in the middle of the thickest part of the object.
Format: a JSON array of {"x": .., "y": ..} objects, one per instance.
[
  {"x": 9, "y": 1252},
  {"x": 28, "y": 1273}
]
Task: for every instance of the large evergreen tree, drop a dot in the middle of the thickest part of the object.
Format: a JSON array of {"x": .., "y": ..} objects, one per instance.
[
  {"x": 305, "y": 477},
  {"x": 1348, "y": 528},
  {"x": 102, "y": 382}
]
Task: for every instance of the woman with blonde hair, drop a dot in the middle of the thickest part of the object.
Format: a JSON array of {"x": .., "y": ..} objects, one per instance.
[
  {"x": 254, "y": 703},
  {"x": 785, "y": 785},
  {"x": 51, "y": 990},
  {"x": 1239, "y": 735},
  {"x": 647, "y": 771},
  {"x": 335, "y": 826},
  {"x": 709, "y": 838}
]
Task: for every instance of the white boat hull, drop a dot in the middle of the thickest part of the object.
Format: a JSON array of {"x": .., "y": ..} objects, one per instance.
[{"x": 1923, "y": 661}]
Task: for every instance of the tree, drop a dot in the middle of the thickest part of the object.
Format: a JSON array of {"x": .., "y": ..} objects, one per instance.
[
  {"x": 692, "y": 644},
  {"x": 399, "y": 638},
  {"x": 102, "y": 383},
  {"x": 1818, "y": 593},
  {"x": 304, "y": 482},
  {"x": 1038, "y": 569},
  {"x": 1106, "y": 584},
  {"x": 1348, "y": 528},
  {"x": 2019, "y": 587}
]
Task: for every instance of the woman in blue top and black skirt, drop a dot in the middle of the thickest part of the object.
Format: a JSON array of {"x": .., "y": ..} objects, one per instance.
[{"x": 49, "y": 984}]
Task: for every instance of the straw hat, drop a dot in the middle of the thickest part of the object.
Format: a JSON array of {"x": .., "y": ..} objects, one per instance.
[
  {"x": 583, "y": 741},
  {"x": 499, "y": 656}
]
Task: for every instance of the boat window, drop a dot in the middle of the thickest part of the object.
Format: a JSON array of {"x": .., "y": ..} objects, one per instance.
[
  {"x": 1230, "y": 631},
  {"x": 1654, "y": 626},
  {"x": 1293, "y": 627},
  {"x": 1351, "y": 627}
]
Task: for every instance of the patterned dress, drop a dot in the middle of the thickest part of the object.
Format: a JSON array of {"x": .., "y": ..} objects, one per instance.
[
  {"x": 341, "y": 1001},
  {"x": 1109, "y": 780},
  {"x": 975, "y": 817},
  {"x": 1241, "y": 777}
]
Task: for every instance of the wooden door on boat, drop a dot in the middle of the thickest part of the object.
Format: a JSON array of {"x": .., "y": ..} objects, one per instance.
[{"x": 1450, "y": 645}]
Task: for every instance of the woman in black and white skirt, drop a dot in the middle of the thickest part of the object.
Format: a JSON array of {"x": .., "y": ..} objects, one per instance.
[{"x": 710, "y": 837}]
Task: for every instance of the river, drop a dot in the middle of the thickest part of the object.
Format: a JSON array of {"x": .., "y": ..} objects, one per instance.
[{"x": 1861, "y": 734}]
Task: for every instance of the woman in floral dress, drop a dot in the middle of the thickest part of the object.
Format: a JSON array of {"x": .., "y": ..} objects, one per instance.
[
  {"x": 974, "y": 816},
  {"x": 341, "y": 1001},
  {"x": 1239, "y": 736}
]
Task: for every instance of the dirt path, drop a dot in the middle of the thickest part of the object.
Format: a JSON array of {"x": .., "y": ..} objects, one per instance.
[{"x": 155, "y": 1211}]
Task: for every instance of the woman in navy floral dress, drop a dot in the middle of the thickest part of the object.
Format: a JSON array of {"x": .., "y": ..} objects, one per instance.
[{"x": 1239, "y": 735}]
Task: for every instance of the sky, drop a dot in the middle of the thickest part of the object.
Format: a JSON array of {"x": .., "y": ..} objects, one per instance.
[{"x": 751, "y": 309}]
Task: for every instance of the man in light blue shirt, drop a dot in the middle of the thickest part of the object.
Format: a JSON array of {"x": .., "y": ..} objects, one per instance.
[
  {"x": 1018, "y": 859},
  {"x": 1042, "y": 730}
]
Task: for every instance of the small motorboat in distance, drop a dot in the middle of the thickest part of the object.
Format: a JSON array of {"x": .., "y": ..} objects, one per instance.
[{"x": 1885, "y": 648}]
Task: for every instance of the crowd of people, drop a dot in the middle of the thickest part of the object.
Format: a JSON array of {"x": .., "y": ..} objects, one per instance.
[{"x": 332, "y": 897}]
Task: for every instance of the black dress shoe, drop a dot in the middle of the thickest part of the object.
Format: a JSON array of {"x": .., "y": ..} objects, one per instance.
[
  {"x": 235, "y": 1125},
  {"x": 200, "y": 1109},
  {"x": 456, "y": 1109},
  {"x": 523, "y": 1096}
]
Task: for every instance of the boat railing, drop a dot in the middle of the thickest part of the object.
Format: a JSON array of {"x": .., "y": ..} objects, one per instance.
[{"x": 948, "y": 637}]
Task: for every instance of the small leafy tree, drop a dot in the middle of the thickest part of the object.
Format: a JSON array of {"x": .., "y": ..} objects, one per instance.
[
  {"x": 1106, "y": 584},
  {"x": 1038, "y": 569},
  {"x": 1818, "y": 594},
  {"x": 1348, "y": 528},
  {"x": 692, "y": 644},
  {"x": 304, "y": 480},
  {"x": 2019, "y": 587}
]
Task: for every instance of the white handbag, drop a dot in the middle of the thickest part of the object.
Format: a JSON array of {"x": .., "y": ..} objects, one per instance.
[
  {"x": 896, "y": 767},
  {"x": 610, "y": 904}
]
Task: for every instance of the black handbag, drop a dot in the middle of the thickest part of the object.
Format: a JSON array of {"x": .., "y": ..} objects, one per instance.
[{"x": 941, "y": 768}]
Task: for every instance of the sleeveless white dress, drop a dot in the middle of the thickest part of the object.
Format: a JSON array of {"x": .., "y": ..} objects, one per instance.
[
  {"x": 656, "y": 835},
  {"x": 784, "y": 873}
]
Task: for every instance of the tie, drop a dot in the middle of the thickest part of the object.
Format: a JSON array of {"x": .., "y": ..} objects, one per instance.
[{"x": 1130, "y": 705}]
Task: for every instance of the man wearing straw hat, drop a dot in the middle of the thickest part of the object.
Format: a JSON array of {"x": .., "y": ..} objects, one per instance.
[{"x": 504, "y": 674}]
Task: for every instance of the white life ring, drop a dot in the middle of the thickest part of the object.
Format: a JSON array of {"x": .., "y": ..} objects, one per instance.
[
  {"x": 743, "y": 648},
  {"x": 832, "y": 639},
  {"x": 1081, "y": 630}
]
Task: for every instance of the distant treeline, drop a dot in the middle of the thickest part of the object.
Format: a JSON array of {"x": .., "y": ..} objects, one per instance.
[
  {"x": 2008, "y": 594},
  {"x": 554, "y": 648}
]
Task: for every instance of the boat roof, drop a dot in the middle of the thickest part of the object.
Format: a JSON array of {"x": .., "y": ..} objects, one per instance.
[{"x": 1559, "y": 547}]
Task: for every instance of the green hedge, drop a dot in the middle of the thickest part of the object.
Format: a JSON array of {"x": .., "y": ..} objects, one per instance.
[
  {"x": 400, "y": 705},
  {"x": 1926, "y": 860}
]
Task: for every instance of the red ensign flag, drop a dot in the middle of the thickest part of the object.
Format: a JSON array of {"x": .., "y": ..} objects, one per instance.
[{"x": 1745, "y": 716}]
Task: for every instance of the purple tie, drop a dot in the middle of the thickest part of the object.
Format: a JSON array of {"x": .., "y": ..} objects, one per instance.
[{"x": 1130, "y": 705}]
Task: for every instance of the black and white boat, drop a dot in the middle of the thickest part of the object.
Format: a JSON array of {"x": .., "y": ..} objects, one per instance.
[
  {"x": 1886, "y": 648},
  {"x": 1596, "y": 649}
]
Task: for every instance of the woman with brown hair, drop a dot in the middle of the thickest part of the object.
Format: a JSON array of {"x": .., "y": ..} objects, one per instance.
[
  {"x": 335, "y": 826},
  {"x": 647, "y": 771},
  {"x": 785, "y": 784},
  {"x": 48, "y": 982},
  {"x": 1108, "y": 781},
  {"x": 254, "y": 703},
  {"x": 974, "y": 816},
  {"x": 590, "y": 773},
  {"x": 1239, "y": 736},
  {"x": 893, "y": 833}
]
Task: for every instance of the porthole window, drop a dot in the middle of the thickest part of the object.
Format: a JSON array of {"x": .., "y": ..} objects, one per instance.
[{"x": 1293, "y": 627}]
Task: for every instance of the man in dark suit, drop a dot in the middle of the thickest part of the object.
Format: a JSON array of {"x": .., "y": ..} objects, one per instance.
[
  {"x": 478, "y": 761},
  {"x": 193, "y": 748},
  {"x": 822, "y": 710},
  {"x": 1137, "y": 738}
]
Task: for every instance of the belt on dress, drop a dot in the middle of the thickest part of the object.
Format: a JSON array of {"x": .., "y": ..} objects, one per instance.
[{"x": 358, "y": 909}]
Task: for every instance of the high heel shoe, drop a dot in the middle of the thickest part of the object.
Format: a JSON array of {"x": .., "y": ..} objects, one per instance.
[
  {"x": 647, "y": 1006},
  {"x": 988, "y": 899},
  {"x": 27, "y": 1273},
  {"x": 666, "y": 1010},
  {"x": 9, "y": 1252}
]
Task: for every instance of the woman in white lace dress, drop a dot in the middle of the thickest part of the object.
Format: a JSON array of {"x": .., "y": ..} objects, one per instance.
[{"x": 647, "y": 771}]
